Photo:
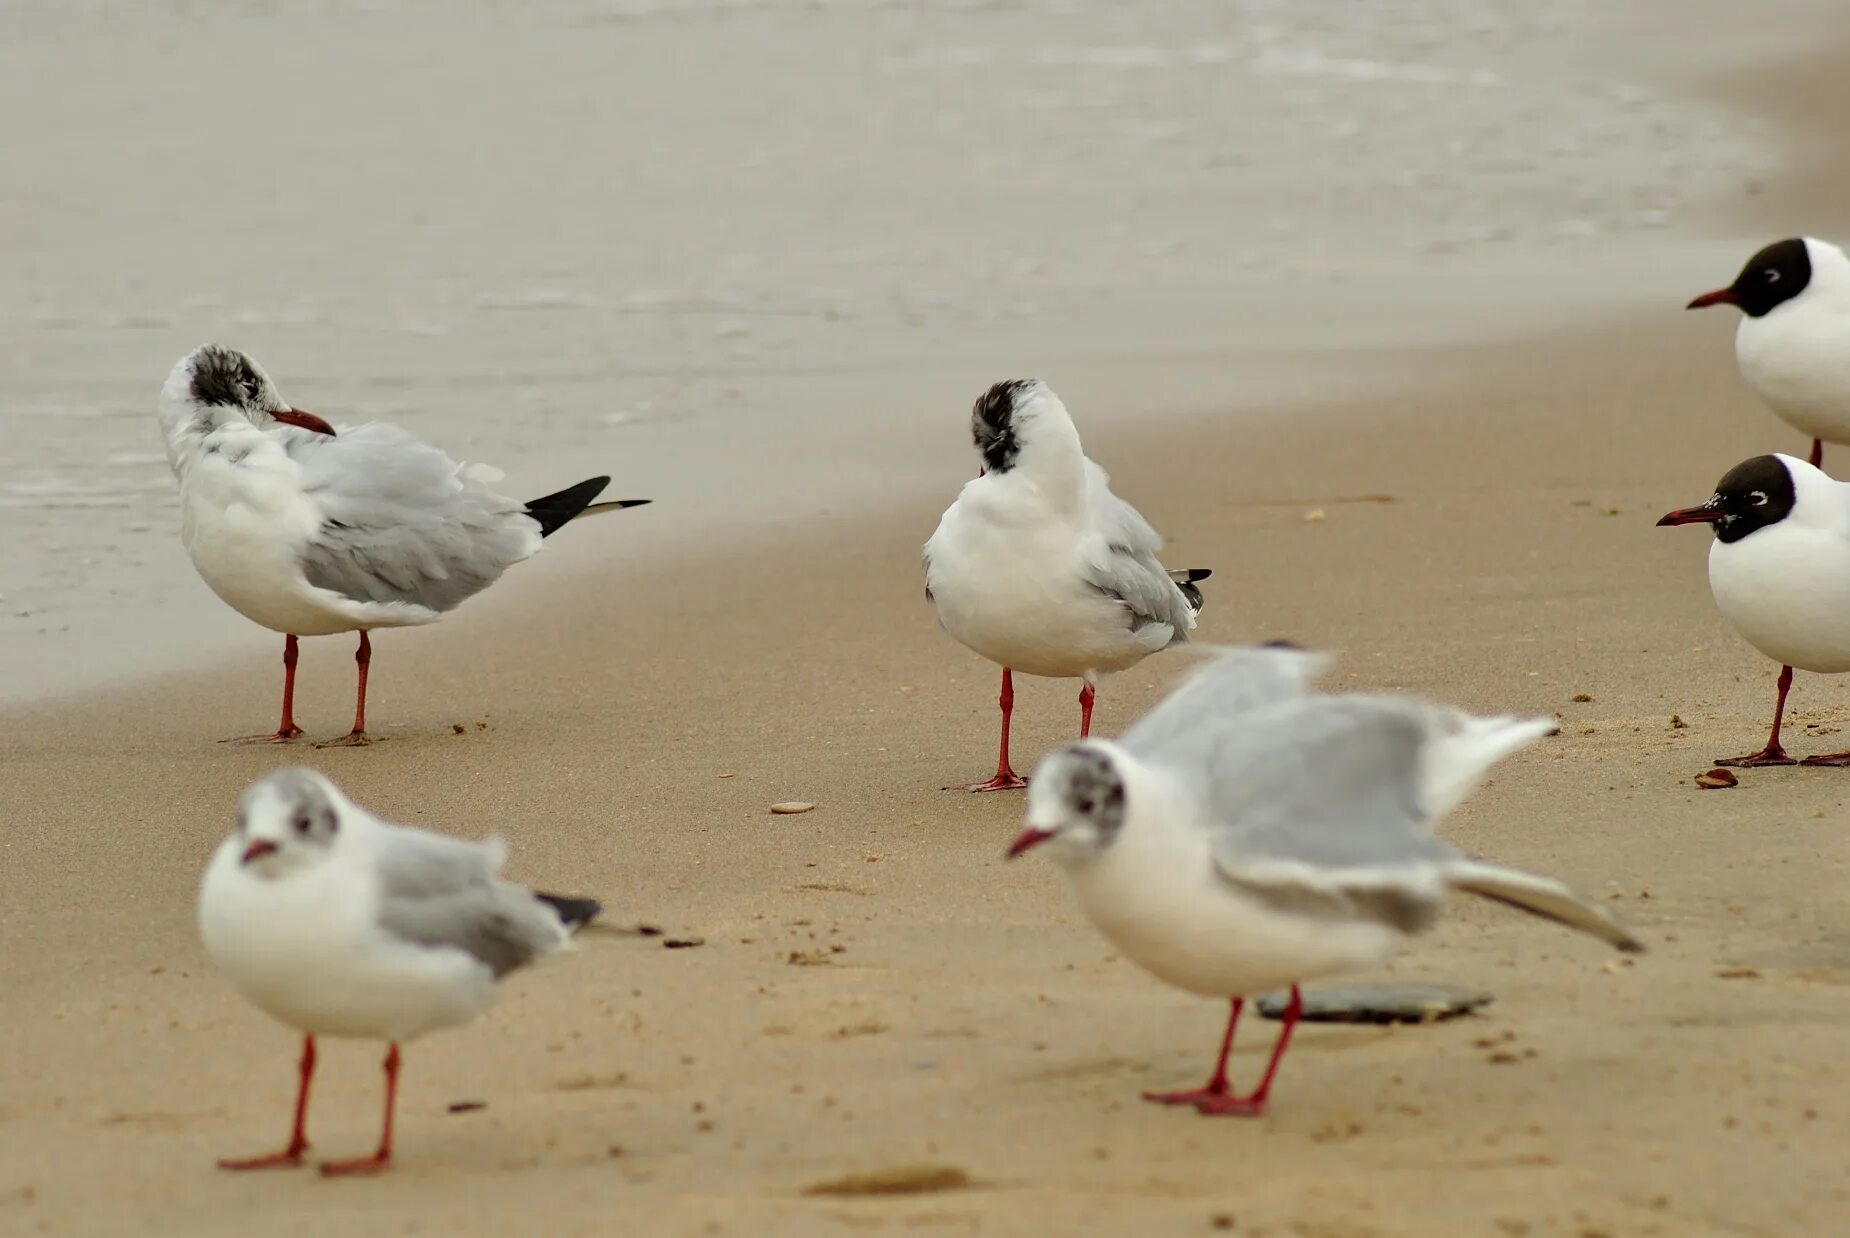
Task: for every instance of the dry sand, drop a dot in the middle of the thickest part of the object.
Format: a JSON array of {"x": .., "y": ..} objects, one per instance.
[{"x": 878, "y": 990}]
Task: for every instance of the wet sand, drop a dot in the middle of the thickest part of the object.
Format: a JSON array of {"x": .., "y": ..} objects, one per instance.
[{"x": 878, "y": 990}]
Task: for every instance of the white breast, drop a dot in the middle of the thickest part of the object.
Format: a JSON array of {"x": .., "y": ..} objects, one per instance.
[
  {"x": 1012, "y": 590},
  {"x": 1158, "y": 899},
  {"x": 1786, "y": 590},
  {"x": 1797, "y": 358},
  {"x": 306, "y": 950}
]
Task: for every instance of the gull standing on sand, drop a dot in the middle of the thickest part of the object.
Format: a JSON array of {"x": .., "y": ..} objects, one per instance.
[
  {"x": 1793, "y": 344},
  {"x": 309, "y": 530},
  {"x": 1779, "y": 569},
  {"x": 340, "y": 924},
  {"x": 1039, "y": 567},
  {"x": 1246, "y": 834}
]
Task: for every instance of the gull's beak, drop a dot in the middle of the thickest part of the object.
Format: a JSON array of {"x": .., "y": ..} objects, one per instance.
[
  {"x": 1028, "y": 840},
  {"x": 1706, "y": 514},
  {"x": 305, "y": 419},
  {"x": 1721, "y": 296},
  {"x": 257, "y": 850}
]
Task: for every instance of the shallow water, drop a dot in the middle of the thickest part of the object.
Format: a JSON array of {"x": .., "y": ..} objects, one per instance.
[{"x": 755, "y": 258}]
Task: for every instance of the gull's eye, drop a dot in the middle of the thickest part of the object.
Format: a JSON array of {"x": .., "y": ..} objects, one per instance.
[
  {"x": 1085, "y": 806},
  {"x": 1772, "y": 276},
  {"x": 1758, "y": 498},
  {"x": 301, "y": 824}
]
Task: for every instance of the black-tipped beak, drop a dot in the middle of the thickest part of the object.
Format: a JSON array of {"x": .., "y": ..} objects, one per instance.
[
  {"x": 257, "y": 850},
  {"x": 1028, "y": 840},
  {"x": 1692, "y": 515},
  {"x": 306, "y": 420},
  {"x": 1721, "y": 296}
]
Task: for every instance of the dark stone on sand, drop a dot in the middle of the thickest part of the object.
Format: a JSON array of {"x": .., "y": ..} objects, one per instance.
[{"x": 1380, "y": 1003}]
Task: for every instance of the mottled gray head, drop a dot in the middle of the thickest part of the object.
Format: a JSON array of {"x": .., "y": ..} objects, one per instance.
[
  {"x": 996, "y": 421},
  {"x": 213, "y": 377},
  {"x": 1076, "y": 802},
  {"x": 287, "y": 820}
]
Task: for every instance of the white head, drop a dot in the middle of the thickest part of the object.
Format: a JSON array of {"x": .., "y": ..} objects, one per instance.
[
  {"x": 211, "y": 384},
  {"x": 1016, "y": 415},
  {"x": 1078, "y": 800},
  {"x": 288, "y": 821}
]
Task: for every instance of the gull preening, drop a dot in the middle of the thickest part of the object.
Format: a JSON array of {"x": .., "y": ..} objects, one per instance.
[
  {"x": 1793, "y": 344},
  {"x": 309, "y": 529},
  {"x": 339, "y": 924},
  {"x": 1248, "y": 834},
  {"x": 1040, "y": 568},
  {"x": 1779, "y": 570}
]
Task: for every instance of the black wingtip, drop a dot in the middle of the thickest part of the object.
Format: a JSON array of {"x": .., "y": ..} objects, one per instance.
[
  {"x": 555, "y": 510},
  {"x": 1193, "y": 574},
  {"x": 575, "y": 912}
]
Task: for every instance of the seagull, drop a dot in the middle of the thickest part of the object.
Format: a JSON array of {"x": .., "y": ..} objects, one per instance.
[
  {"x": 1039, "y": 567},
  {"x": 1793, "y": 344},
  {"x": 339, "y": 924},
  {"x": 309, "y": 530},
  {"x": 1779, "y": 570},
  {"x": 1247, "y": 834}
]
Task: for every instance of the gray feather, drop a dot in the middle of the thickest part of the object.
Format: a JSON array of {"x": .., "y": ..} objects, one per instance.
[
  {"x": 1121, "y": 562},
  {"x": 402, "y": 521},
  {"x": 443, "y": 892}
]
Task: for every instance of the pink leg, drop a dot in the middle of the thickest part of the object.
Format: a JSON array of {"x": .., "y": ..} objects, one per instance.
[
  {"x": 287, "y": 729},
  {"x": 357, "y": 737},
  {"x": 1817, "y": 453},
  {"x": 1772, "y": 754},
  {"x": 1006, "y": 779},
  {"x": 1254, "y": 1105},
  {"x": 1215, "y": 1088},
  {"x": 290, "y": 1156},
  {"x": 383, "y": 1157},
  {"x": 1085, "y": 710}
]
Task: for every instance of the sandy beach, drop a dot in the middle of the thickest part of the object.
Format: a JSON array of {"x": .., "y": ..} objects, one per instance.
[{"x": 1457, "y": 495}]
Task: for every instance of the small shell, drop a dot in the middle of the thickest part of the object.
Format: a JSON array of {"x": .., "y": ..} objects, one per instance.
[
  {"x": 1716, "y": 779},
  {"x": 789, "y": 807}
]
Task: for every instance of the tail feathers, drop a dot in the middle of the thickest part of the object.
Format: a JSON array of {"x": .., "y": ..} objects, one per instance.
[
  {"x": 554, "y": 510},
  {"x": 575, "y": 912},
  {"x": 1185, "y": 579},
  {"x": 1541, "y": 896}
]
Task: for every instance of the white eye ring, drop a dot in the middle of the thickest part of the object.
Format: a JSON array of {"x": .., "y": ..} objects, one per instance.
[
  {"x": 1759, "y": 497},
  {"x": 1772, "y": 277}
]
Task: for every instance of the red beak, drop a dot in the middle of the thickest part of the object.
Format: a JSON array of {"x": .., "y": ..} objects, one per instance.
[
  {"x": 258, "y": 849},
  {"x": 305, "y": 419},
  {"x": 1028, "y": 840},
  {"x": 1692, "y": 515},
  {"x": 1721, "y": 296}
]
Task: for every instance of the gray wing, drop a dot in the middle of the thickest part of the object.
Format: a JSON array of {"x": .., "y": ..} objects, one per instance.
[
  {"x": 401, "y": 521},
  {"x": 443, "y": 892},
  {"x": 1234, "y": 682},
  {"x": 1119, "y": 559}
]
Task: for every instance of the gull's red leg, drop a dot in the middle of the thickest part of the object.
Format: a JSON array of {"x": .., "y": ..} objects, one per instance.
[
  {"x": 1254, "y": 1105},
  {"x": 1215, "y": 1088},
  {"x": 1772, "y": 754},
  {"x": 1817, "y": 453},
  {"x": 287, "y": 729},
  {"x": 1006, "y": 779},
  {"x": 1085, "y": 710},
  {"x": 357, "y": 737},
  {"x": 290, "y": 1156},
  {"x": 383, "y": 1157}
]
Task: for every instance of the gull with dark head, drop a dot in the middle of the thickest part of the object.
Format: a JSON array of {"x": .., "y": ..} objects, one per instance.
[
  {"x": 309, "y": 529},
  {"x": 1779, "y": 570},
  {"x": 339, "y": 924},
  {"x": 1793, "y": 344},
  {"x": 1248, "y": 834},
  {"x": 1040, "y": 568}
]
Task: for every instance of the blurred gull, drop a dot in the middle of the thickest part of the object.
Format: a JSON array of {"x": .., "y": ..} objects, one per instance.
[
  {"x": 1039, "y": 567},
  {"x": 1246, "y": 834},
  {"x": 340, "y": 924},
  {"x": 309, "y": 531}
]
